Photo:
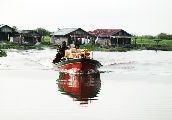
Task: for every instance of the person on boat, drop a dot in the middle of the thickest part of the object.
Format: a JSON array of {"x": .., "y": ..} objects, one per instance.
[
  {"x": 63, "y": 48},
  {"x": 77, "y": 44},
  {"x": 60, "y": 52},
  {"x": 58, "y": 56}
]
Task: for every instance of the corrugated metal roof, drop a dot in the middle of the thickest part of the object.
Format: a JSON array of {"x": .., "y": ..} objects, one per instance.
[
  {"x": 30, "y": 32},
  {"x": 2, "y": 25},
  {"x": 27, "y": 31},
  {"x": 64, "y": 31}
]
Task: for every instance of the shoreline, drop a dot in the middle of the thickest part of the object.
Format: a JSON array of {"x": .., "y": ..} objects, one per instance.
[{"x": 91, "y": 47}]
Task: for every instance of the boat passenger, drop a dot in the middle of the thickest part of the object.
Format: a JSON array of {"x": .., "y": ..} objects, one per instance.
[
  {"x": 60, "y": 52},
  {"x": 63, "y": 48},
  {"x": 77, "y": 44}
]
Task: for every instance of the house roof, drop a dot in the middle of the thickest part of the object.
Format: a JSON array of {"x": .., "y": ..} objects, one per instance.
[
  {"x": 10, "y": 30},
  {"x": 29, "y": 33},
  {"x": 104, "y": 32},
  {"x": 64, "y": 31},
  {"x": 2, "y": 25}
]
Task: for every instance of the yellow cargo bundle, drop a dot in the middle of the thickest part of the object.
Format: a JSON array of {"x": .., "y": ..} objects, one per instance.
[{"x": 78, "y": 53}]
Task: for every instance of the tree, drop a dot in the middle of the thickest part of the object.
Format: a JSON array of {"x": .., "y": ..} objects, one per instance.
[
  {"x": 15, "y": 28},
  {"x": 162, "y": 36},
  {"x": 43, "y": 32},
  {"x": 148, "y": 36}
]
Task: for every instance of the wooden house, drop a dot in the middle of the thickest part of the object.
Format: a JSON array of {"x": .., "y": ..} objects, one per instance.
[
  {"x": 30, "y": 37},
  {"x": 5, "y": 32},
  {"x": 70, "y": 36},
  {"x": 112, "y": 37}
]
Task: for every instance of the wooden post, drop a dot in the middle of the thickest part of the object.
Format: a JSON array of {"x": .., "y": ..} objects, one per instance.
[
  {"x": 117, "y": 42},
  {"x": 8, "y": 36},
  {"x": 141, "y": 42},
  {"x": 110, "y": 41}
]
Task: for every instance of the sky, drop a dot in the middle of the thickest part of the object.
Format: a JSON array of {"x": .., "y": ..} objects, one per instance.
[{"x": 139, "y": 17}]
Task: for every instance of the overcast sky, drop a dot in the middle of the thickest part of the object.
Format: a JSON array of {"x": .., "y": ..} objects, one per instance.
[{"x": 135, "y": 16}]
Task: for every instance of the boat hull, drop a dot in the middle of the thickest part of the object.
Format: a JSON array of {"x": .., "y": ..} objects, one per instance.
[{"x": 81, "y": 66}]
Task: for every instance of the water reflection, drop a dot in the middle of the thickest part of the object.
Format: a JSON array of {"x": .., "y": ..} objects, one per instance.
[{"x": 83, "y": 88}]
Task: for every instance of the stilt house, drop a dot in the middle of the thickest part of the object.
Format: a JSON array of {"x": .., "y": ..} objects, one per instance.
[{"x": 112, "y": 37}]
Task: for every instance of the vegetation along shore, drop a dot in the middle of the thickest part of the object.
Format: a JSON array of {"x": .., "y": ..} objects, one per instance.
[
  {"x": 117, "y": 40},
  {"x": 3, "y": 53}
]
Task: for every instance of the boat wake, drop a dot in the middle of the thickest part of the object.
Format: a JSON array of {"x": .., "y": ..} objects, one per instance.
[
  {"x": 117, "y": 66},
  {"x": 27, "y": 60}
]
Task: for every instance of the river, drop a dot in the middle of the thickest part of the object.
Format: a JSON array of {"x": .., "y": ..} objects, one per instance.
[{"x": 133, "y": 85}]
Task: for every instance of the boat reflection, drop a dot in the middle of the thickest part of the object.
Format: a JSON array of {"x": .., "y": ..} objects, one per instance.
[{"x": 81, "y": 87}]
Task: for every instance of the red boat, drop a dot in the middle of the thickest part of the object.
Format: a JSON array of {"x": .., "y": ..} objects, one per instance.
[
  {"x": 81, "y": 87},
  {"x": 78, "y": 61}
]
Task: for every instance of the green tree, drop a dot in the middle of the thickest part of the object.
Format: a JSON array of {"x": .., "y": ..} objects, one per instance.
[
  {"x": 43, "y": 32},
  {"x": 162, "y": 36},
  {"x": 148, "y": 37}
]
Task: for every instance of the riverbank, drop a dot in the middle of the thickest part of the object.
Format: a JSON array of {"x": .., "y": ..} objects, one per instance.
[
  {"x": 138, "y": 44},
  {"x": 10, "y": 45}
]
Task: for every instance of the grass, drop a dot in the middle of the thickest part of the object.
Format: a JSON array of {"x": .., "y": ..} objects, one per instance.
[
  {"x": 11, "y": 45},
  {"x": 94, "y": 47},
  {"x": 151, "y": 44},
  {"x": 3, "y": 53}
]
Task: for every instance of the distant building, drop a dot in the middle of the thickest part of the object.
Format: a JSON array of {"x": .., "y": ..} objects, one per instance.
[
  {"x": 70, "y": 36},
  {"x": 111, "y": 37},
  {"x": 5, "y": 32},
  {"x": 30, "y": 37}
]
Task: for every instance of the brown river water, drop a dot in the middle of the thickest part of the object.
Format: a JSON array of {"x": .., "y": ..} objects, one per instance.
[{"x": 134, "y": 85}]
